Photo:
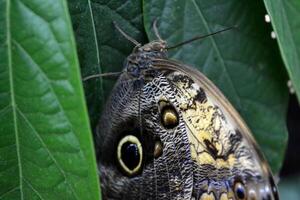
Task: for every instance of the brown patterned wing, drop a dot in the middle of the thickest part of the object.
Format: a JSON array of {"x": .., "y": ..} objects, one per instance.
[{"x": 227, "y": 161}]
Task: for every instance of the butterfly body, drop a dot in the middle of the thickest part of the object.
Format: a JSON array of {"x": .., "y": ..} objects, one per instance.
[{"x": 185, "y": 139}]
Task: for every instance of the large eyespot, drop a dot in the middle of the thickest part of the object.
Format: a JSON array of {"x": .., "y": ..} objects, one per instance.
[
  {"x": 239, "y": 191},
  {"x": 130, "y": 154},
  {"x": 169, "y": 115}
]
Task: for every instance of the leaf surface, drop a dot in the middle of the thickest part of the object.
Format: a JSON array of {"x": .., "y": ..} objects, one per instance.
[
  {"x": 101, "y": 48},
  {"x": 46, "y": 149},
  {"x": 285, "y": 20}
]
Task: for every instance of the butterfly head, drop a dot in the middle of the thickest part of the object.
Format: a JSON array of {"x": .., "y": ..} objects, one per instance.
[
  {"x": 154, "y": 46},
  {"x": 140, "y": 60}
]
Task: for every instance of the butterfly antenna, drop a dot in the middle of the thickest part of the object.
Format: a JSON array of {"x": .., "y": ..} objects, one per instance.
[
  {"x": 136, "y": 43},
  {"x": 109, "y": 74},
  {"x": 155, "y": 29},
  {"x": 199, "y": 37}
]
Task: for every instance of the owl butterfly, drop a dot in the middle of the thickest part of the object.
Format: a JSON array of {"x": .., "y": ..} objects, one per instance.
[{"x": 167, "y": 132}]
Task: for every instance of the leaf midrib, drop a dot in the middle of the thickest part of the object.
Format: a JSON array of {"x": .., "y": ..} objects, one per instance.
[
  {"x": 94, "y": 34},
  {"x": 12, "y": 96},
  {"x": 96, "y": 45}
]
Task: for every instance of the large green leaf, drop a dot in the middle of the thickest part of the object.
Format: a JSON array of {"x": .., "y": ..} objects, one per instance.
[
  {"x": 286, "y": 23},
  {"x": 101, "y": 47},
  {"x": 244, "y": 63},
  {"x": 46, "y": 149}
]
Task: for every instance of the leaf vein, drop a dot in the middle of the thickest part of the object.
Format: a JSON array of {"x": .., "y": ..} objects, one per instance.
[
  {"x": 12, "y": 96},
  {"x": 4, "y": 110},
  {"x": 8, "y": 192},
  {"x": 47, "y": 149},
  {"x": 58, "y": 103},
  {"x": 33, "y": 189},
  {"x": 97, "y": 46}
]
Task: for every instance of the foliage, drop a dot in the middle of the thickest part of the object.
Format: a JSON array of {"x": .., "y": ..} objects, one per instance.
[
  {"x": 46, "y": 147},
  {"x": 285, "y": 20}
]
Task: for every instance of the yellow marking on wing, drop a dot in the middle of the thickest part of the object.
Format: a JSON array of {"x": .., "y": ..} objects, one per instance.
[
  {"x": 226, "y": 196},
  {"x": 206, "y": 196},
  {"x": 198, "y": 134},
  {"x": 223, "y": 197},
  {"x": 203, "y": 121},
  {"x": 206, "y": 158}
]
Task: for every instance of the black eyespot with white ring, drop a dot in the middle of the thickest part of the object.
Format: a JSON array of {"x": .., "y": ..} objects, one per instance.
[
  {"x": 240, "y": 191},
  {"x": 130, "y": 154}
]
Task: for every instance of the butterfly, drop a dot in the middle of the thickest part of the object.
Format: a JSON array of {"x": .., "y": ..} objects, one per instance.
[{"x": 167, "y": 132}]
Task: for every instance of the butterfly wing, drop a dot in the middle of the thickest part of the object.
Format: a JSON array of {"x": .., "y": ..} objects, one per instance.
[
  {"x": 221, "y": 144},
  {"x": 133, "y": 110},
  {"x": 192, "y": 142}
]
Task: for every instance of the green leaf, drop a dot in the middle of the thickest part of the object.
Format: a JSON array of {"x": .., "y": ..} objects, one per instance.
[
  {"x": 285, "y": 20},
  {"x": 244, "y": 63},
  {"x": 101, "y": 47},
  {"x": 46, "y": 149}
]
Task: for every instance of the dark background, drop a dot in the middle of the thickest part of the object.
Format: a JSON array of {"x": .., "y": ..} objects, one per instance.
[
  {"x": 291, "y": 164},
  {"x": 289, "y": 185}
]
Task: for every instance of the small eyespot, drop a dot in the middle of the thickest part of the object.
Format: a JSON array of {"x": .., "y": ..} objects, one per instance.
[
  {"x": 158, "y": 149},
  {"x": 169, "y": 115},
  {"x": 252, "y": 195},
  {"x": 273, "y": 187},
  {"x": 239, "y": 191},
  {"x": 130, "y": 154},
  {"x": 267, "y": 193}
]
